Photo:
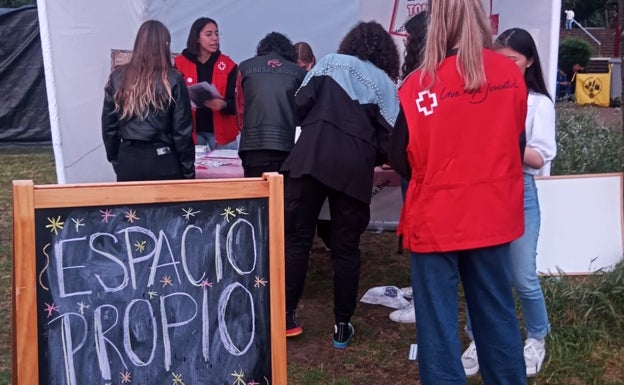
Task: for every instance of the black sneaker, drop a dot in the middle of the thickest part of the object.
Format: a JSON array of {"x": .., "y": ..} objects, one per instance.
[
  {"x": 292, "y": 325},
  {"x": 343, "y": 332}
]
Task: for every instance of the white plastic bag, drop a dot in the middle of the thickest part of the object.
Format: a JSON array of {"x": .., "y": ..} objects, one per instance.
[{"x": 390, "y": 296}]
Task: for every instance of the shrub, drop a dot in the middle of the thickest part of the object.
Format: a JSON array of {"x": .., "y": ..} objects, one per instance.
[
  {"x": 573, "y": 51},
  {"x": 586, "y": 146}
]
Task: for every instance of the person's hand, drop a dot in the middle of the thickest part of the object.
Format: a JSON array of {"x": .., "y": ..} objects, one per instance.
[{"x": 215, "y": 104}]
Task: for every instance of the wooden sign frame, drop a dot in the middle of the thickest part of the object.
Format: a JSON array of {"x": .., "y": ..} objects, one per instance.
[{"x": 28, "y": 197}]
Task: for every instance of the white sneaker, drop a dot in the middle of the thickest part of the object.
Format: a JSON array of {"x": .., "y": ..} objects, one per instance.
[
  {"x": 407, "y": 292},
  {"x": 470, "y": 360},
  {"x": 406, "y": 315},
  {"x": 534, "y": 353}
]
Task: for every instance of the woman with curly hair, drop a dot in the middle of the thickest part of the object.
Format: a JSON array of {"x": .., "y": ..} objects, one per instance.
[
  {"x": 347, "y": 105},
  {"x": 265, "y": 99},
  {"x": 416, "y": 29}
]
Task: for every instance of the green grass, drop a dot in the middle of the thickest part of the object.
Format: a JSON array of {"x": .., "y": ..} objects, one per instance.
[
  {"x": 16, "y": 162},
  {"x": 586, "y": 345}
]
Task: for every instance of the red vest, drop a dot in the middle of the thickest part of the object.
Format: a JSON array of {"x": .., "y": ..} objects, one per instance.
[
  {"x": 466, "y": 189},
  {"x": 225, "y": 126}
]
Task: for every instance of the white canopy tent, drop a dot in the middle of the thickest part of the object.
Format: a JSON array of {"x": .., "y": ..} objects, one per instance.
[{"x": 78, "y": 36}]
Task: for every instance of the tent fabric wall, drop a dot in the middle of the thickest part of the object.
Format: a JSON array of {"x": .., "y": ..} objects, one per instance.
[
  {"x": 23, "y": 103},
  {"x": 81, "y": 35},
  {"x": 78, "y": 36}
]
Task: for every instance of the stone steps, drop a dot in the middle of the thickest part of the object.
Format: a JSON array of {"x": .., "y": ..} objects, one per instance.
[{"x": 606, "y": 36}]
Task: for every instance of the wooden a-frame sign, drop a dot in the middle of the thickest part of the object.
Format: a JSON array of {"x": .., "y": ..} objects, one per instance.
[{"x": 149, "y": 282}]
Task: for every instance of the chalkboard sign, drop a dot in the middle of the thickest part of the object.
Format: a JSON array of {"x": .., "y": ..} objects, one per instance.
[{"x": 149, "y": 283}]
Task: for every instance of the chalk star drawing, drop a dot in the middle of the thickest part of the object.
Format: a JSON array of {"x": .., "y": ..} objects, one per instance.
[
  {"x": 205, "y": 283},
  {"x": 50, "y": 308},
  {"x": 188, "y": 213},
  {"x": 238, "y": 378},
  {"x": 131, "y": 216},
  {"x": 252, "y": 382},
  {"x": 140, "y": 246},
  {"x": 106, "y": 214},
  {"x": 82, "y": 306},
  {"x": 166, "y": 280},
  {"x": 260, "y": 282},
  {"x": 241, "y": 211},
  {"x": 152, "y": 294},
  {"x": 55, "y": 224},
  {"x": 227, "y": 213},
  {"x": 177, "y": 379},
  {"x": 125, "y": 377},
  {"x": 78, "y": 223}
]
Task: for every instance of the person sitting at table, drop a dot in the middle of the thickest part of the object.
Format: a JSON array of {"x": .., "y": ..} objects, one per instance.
[
  {"x": 265, "y": 100},
  {"x": 564, "y": 86},
  {"x": 348, "y": 105},
  {"x": 147, "y": 125}
]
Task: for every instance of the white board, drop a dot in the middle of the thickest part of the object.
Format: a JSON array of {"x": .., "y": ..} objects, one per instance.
[{"x": 581, "y": 229}]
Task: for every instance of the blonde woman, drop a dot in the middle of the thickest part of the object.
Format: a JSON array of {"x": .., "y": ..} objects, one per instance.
[
  {"x": 146, "y": 120},
  {"x": 465, "y": 110}
]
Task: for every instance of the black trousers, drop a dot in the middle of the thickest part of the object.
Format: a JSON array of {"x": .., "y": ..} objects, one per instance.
[
  {"x": 304, "y": 198},
  {"x": 258, "y": 170},
  {"x": 140, "y": 160}
]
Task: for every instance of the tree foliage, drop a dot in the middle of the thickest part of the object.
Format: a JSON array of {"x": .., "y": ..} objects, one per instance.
[
  {"x": 573, "y": 51},
  {"x": 592, "y": 13},
  {"x": 16, "y": 3}
]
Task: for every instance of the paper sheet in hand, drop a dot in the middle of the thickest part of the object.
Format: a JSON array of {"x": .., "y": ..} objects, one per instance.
[{"x": 202, "y": 92}]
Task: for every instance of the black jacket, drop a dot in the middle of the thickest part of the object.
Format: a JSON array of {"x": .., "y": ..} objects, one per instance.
[
  {"x": 341, "y": 140},
  {"x": 268, "y": 86},
  {"x": 173, "y": 126}
]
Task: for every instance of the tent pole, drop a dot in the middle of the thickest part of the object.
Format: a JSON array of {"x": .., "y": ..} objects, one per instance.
[{"x": 46, "y": 51}]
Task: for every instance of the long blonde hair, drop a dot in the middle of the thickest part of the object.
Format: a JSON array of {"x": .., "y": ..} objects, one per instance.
[
  {"x": 460, "y": 24},
  {"x": 144, "y": 84}
]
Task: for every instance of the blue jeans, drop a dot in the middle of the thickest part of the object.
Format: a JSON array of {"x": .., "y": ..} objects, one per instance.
[
  {"x": 208, "y": 139},
  {"x": 568, "y": 24},
  {"x": 485, "y": 274},
  {"x": 524, "y": 269}
]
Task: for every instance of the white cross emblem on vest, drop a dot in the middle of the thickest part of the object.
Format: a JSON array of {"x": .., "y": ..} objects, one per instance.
[{"x": 426, "y": 102}]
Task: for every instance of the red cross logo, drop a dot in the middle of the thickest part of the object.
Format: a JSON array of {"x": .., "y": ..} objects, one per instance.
[
  {"x": 426, "y": 102},
  {"x": 221, "y": 65},
  {"x": 274, "y": 63}
]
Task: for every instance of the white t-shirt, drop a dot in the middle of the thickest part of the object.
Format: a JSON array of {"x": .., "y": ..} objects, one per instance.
[
  {"x": 569, "y": 14},
  {"x": 540, "y": 131}
]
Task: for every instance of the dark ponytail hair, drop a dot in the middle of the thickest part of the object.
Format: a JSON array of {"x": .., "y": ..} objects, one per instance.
[
  {"x": 521, "y": 41},
  {"x": 416, "y": 28}
]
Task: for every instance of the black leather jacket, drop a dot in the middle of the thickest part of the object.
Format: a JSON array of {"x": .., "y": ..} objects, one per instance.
[
  {"x": 173, "y": 126},
  {"x": 269, "y": 83}
]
